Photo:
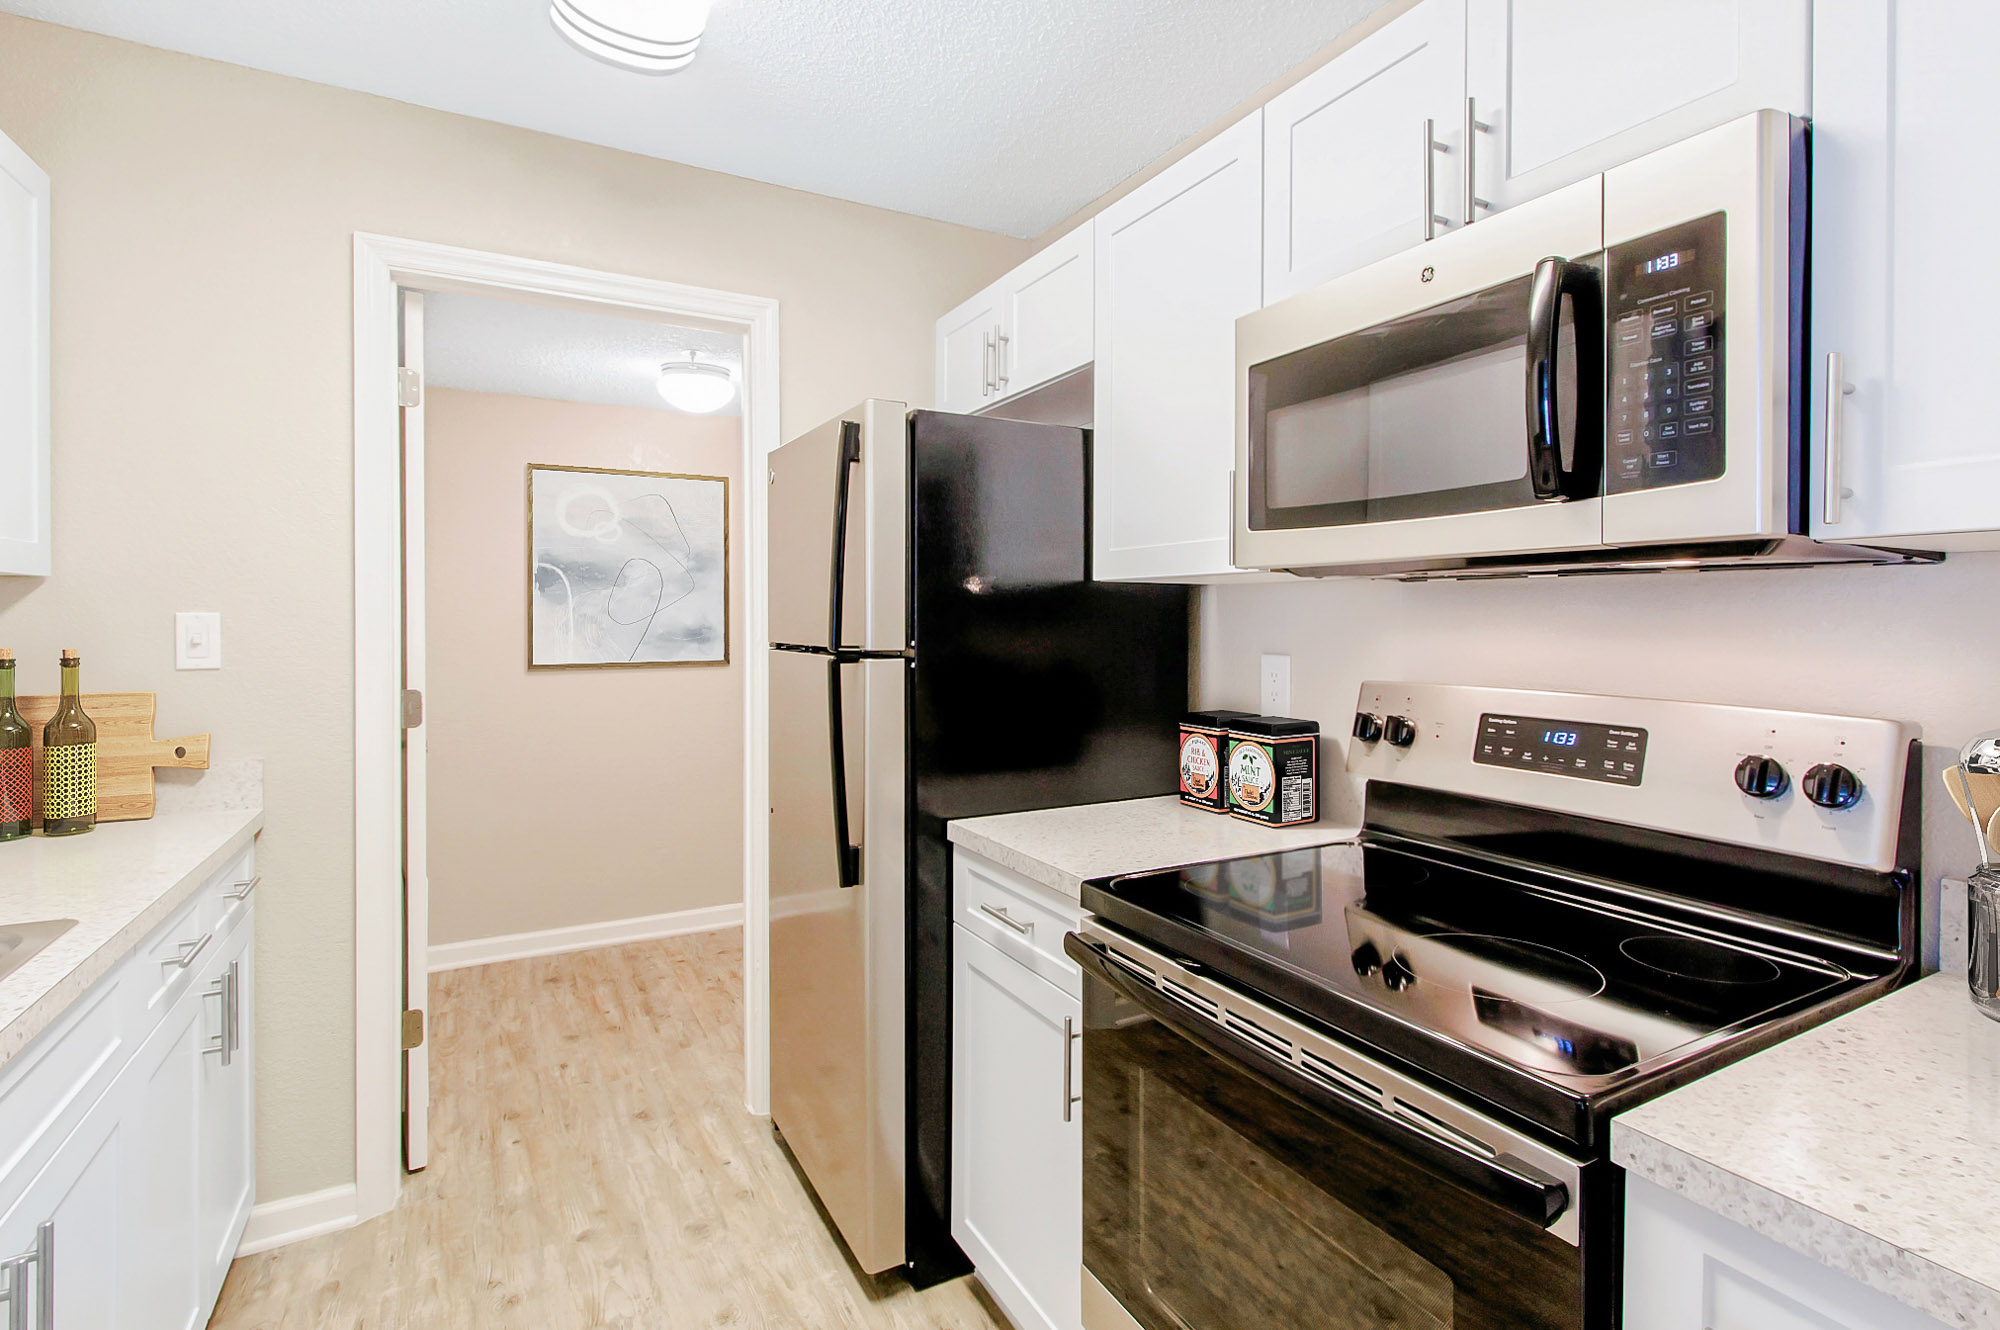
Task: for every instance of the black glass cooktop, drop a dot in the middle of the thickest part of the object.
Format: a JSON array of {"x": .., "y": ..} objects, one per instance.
[{"x": 1525, "y": 976}]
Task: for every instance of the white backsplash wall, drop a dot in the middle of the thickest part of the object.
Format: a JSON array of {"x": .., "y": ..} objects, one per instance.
[{"x": 1920, "y": 644}]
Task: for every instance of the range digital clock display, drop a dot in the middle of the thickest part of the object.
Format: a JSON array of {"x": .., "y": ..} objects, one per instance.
[{"x": 1611, "y": 753}]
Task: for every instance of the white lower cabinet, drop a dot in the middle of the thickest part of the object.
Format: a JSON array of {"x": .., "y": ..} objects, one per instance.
[
  {"x": 1689, "y": 1269},
  {"x": 1017, "y": 1133},
  {"x": 132, "y": 1173}
]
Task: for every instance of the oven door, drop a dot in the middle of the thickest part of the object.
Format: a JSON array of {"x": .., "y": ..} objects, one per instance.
[
  {"x": 1242, "y": 1172},
  {"x": 1444, "y": 403}
]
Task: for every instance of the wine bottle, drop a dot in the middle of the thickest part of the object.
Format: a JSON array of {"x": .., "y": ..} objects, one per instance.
[
  {"x": 69, "y": 760},
  {"x": 17, "y": 760}
]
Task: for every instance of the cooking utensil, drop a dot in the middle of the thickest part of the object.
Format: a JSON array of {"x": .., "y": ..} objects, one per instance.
[
  {"x": 1989, "y": 787},
  {"x": 1981, "y": 757},
  {"x": 127, "y": 752}
]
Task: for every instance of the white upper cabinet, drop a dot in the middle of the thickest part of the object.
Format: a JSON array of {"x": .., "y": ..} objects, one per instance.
[
  {"x": 967, "y": 346},
  {"x": 1179, "y": 260},
  {"x": 1046, "y": 328},
  {"x": 1897, "y": 87},
  {"x": 24, "y": 364},
  {"x": 1565, "y": 89},
  {"x": 1351, "y": 174}
]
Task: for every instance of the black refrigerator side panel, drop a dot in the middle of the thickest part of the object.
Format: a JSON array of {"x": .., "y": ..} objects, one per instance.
[{"x": 1033, "y": 688}]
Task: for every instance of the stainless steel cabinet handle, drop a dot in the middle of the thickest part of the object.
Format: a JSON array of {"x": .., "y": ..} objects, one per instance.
[
  {"x": 1000, "y": 359},
  {"x": 15, "y": 1294},
  {"x": 228, "y": 994},
  {"x": 1432, "y": 219},
  {"x": 1838, "y": 390},
  {"x": 243, "y": 889},
  {"x": 1070, "y": 1097},
  {"x": 219, "y": 990},
  {"x": 189, "y": 950},
  {"x": 986, "y": 366},
  {"x": 1473, "y": 129},
  {"x": 235, "y": 1006},
  {"x": 1007, "y": 919}
]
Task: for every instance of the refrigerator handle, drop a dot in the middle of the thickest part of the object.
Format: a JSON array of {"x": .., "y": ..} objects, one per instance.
[
  {"x": 848, "y": 853},
  {"x": 843, "y": 481}
]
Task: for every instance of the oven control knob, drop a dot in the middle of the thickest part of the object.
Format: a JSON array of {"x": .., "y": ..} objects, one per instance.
[
  {"x": 1397, "y": 974},
  {"x": 1367, "y": 960},
  {"x": 1400, "y": 731},
  {"x": 1831, "y": 785},
  {"x": 1367, "y": 728},
  {"x": 1762, "y": 777}
]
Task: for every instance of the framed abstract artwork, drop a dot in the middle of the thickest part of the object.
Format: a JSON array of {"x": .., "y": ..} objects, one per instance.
[{"x": 626, "y": 568}]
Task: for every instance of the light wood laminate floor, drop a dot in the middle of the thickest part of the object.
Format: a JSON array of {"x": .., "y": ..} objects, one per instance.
[{"x": 591, "y": 1165}]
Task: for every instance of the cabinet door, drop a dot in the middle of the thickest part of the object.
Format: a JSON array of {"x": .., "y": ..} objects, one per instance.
[
  {"x": 160, "y": 1096},
  {"x": 225, "y": 1152},
  {"x": 1017, "y": 1143},
  {"x": 1569, "y": 88},
  {"x": 1179, "y": 260},
  {"x": 84, "y": 1194},
  {"x": 1894, "y": 297},
  {"x": 967, "y": 346},
  {"x": 1045, "y": 307},
  {"x": 24, "y": 363},
  {"x": 1347, "y": 164}
]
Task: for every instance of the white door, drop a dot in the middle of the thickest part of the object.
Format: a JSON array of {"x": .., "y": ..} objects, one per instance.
[
  {"x": 968, "y": 345},
  {"x": 1179, "y": 260},
  {"x": 94, "y": 1249},
  {"x": 1351, "y": 174},
  {"x": 416, "y": 751},
  {"x": 24, "y": 363},
  {"x": 1017, "y": 1134},
  {"x": 1569, "y": 88},
  {"x": 226, "y": 1151},
  {"x": 1046, "y": 304},
  {"x": 161, "y": 1263},
  {"x": 1896, "y": 295}
]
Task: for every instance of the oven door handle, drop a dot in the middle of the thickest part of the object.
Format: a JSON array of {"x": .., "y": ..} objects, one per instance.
[
  {"x": 1517, "y": 1186},
  {"x": 1554, "y": 279}
]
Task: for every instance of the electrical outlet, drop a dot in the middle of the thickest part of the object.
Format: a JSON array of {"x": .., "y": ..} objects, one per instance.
[
  {"x": 1274, "y": 686},
  {"x": 197, "y": 641}
]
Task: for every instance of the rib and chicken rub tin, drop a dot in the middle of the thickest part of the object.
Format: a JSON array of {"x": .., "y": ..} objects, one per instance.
[
  {"x": 1273, "y": 770},
  {"x": 1204, "y": 735}
]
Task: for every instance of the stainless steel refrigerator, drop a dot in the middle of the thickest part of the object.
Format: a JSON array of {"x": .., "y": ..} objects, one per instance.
[{"x": 939, "y": 651}]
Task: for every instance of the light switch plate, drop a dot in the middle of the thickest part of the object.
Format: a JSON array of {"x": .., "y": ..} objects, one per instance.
[
  {"x": 197, "y": 640},
  {"x": 1274, "y": 685}
]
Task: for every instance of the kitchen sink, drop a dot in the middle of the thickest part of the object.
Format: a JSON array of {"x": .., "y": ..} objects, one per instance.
[{"x": 20, "y": 942}]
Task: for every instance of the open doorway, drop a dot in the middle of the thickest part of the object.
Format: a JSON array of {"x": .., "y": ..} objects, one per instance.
[{"x": 553, "y": 823}]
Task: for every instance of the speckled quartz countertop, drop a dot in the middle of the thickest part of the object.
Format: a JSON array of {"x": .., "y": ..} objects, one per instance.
[
  {"x": 1870, "y": 1144},
  {"x": 117, "y": 882},
  {"x": 1061, "y": 848}
]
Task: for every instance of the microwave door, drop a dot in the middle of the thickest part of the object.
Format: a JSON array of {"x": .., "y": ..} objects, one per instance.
[
  {"x": 1430, "y": 406},
  {"x": 1704, "y": 249}
]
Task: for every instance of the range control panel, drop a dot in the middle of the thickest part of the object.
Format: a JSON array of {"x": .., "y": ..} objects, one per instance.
[
  {"x": 1804, "y": 783},
  {"x": 1665, "y": 303},
  {"x": 1614, "y": 753}
]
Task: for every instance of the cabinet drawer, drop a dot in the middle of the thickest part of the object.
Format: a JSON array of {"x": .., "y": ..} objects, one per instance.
[
  {"x": 163, "y": 966},
  {"x": 1024, "y": 919},
  {"x": 226, "y": 897}
]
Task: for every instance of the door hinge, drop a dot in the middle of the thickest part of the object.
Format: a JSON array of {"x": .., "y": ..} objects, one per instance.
[
  {"x": 409, "y": 388},
  {"x": 413, "y": 708},
  {"x": 413, "y": 1030}
]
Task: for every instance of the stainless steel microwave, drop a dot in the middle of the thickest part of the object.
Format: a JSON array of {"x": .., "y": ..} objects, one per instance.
[{"x": 1604, "y": 378}]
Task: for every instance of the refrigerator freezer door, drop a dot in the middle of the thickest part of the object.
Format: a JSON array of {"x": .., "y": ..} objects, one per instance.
[{"x": 837, "y": 930}]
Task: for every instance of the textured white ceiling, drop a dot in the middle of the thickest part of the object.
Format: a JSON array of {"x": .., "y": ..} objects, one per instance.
[
  {"x": 501, "y": 346},
  {"x": 1001, "y": 114}
]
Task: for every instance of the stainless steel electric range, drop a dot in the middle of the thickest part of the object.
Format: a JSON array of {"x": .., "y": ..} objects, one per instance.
[{"x": 1369, "y": 1086}]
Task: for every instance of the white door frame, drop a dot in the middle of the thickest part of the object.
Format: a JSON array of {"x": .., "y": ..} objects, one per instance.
[{"x": 382, "y": 264}]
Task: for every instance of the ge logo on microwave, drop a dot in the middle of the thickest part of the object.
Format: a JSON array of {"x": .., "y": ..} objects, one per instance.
[{"x": 1428, "y": 273}]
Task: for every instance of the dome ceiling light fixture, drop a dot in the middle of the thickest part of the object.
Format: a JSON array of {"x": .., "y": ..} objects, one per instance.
[
  {"x": 646, "y": 36},
  {"x": 697, "y": 386}
]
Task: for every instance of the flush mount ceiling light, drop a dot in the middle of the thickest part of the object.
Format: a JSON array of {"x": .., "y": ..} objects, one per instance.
[
  {"x": 696, "y": 385},
  {"x": 649, "y": 36}
]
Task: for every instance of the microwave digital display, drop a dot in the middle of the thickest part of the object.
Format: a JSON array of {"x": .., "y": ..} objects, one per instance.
[
  {"x": 1664, "y": 422},
  {"x": 1660, "y": 264}
]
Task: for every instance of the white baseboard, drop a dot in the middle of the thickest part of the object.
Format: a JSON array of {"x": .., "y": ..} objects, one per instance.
[
  {"x": 276, "y": 1223},
  {"x": 582, "y": 937}
]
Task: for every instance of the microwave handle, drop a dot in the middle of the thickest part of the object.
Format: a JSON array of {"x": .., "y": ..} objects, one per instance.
[{"x": 1554, "y": 279}]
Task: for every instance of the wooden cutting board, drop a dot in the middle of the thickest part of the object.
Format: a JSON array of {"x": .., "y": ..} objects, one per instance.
[{"x": 127, "y": 752}]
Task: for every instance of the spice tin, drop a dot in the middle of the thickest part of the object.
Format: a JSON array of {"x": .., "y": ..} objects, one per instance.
[
  {"x": 1273, "y": 770},
  {"x": 1204, "y": 735}
]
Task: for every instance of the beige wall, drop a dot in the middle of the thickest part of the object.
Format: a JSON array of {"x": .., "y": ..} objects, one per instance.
[
  {"x": 203, "y": 230},
  {"x": 561, "y": 797}
]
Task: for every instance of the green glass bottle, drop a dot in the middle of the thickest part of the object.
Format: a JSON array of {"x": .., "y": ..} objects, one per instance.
[
  {"x": 17, "y": 759},
  {"x": 69, "y": 760}
]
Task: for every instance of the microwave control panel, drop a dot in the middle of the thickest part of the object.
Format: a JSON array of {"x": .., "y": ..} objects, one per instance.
[{"x": 1665, "y": 305}]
